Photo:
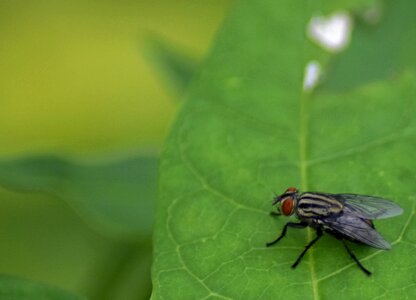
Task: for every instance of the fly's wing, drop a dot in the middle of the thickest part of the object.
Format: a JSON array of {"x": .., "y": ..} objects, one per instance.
[
  {"x": 369, "y": 207},
  {"x": 355, "y": 228}
]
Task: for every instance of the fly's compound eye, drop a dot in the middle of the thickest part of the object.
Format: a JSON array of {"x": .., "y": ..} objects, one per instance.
[
  {"x": 287, "y": 206},
  {"x": 292, "y": 190}
]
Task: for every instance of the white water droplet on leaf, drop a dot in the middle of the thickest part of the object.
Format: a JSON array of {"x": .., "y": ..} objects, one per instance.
[
  {"x": 312, "y": 74},
  {"x": 333, "y": 32}
]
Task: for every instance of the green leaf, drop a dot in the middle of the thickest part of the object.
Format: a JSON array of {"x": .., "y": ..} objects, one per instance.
[
  {"x": 115, "y": 197},
  {"x": 248, "y": 130},
  {"x": 377, "y": 51},
  {"x": 327, "y": 7},
  {"x": 19, "y": 289}
]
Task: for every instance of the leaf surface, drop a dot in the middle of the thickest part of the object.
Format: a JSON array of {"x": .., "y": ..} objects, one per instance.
[{"x": 248, "y": 130}]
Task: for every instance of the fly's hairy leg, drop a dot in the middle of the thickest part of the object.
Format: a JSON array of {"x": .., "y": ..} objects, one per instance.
[
  {"x": 288, "y": 224},
  {"x": 308, "y": 246},
  {"x": 352, "y": 255}
]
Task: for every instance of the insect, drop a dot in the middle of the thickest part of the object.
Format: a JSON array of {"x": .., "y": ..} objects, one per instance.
[{"x": 344, "y": 216}]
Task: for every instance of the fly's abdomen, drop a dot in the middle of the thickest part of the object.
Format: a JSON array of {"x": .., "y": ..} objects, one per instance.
[{"x": 314, "y": 205}]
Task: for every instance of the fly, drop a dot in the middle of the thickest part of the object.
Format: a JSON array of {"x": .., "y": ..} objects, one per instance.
[{"x": 344, "y": 216}]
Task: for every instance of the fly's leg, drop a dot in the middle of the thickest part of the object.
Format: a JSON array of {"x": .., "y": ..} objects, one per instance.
[
  {"x": 368, "y": 273},
  {"x": 288, "y": 224},
  {"x": 308, "y": 246},
  {"x": 275, "y": 214}
]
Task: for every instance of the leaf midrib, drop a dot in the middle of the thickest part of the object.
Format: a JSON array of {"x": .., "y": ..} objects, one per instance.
[{"x": 303, "y": 170}]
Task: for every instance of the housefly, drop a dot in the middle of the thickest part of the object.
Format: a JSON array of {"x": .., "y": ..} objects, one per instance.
[{"x": 344, "y": 216}]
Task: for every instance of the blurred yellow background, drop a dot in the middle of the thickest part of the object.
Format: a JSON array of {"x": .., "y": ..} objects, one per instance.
[{"x": 74, "y": 78}]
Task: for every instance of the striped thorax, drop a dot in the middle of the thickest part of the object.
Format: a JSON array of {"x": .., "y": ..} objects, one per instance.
[{"x": 313, "y": 205}]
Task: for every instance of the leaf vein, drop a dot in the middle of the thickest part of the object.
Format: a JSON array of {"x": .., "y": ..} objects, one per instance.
[
  {"x": 363, "y": 147},
  {"x": 207, "y": 186},
  {"x": 181, "y": 260}
]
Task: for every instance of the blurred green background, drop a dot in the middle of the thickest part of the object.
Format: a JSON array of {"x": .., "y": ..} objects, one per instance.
[{"x": 87, "y": 87}]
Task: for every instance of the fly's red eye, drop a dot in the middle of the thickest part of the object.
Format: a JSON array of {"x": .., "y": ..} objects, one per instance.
[
  {"x": 291, "y": 190},
  {"x": 287, "y": 206}
]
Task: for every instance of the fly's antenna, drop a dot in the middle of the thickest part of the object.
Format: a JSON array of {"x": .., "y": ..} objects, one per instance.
[{"x": 276, "y": 199}]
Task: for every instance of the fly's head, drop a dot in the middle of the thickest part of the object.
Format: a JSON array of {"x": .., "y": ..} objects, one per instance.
[{"x": 286, "y": 202}]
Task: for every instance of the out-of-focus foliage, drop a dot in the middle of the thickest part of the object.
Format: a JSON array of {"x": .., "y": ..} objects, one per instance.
[
  {"x": 44, "y": 240},
  {"x": 174, "y": 65},
  {"x": 17, "y": 289},
  {"x": 81, "y": 101},
  {"x": 116, "y": 197}
]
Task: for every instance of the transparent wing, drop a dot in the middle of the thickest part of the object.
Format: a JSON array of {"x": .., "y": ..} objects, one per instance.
[
  {"x": 369, "y": 207},
  {"x": 348, "y": 224}
]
